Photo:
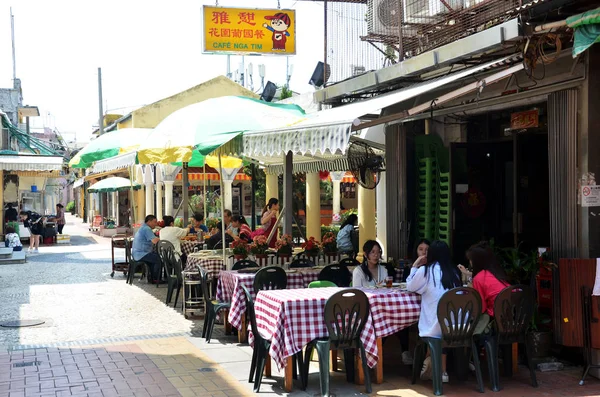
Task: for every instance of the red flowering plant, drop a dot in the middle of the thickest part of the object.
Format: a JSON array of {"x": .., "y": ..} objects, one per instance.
[
  {"x": 259, "y": 245},
  {"x": 284, "y": 245},
  {"x": 240, "y": 247},
  {"x": 329, "y": 243},
  {"x": 311, "y": 247}
]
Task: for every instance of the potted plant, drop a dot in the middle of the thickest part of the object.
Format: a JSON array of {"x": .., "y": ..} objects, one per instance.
[
  {"x": 284, "y": 246},
  {"x": 311, "y": 247},
  {"x": 522, "y": 267},
  {"x": 240, "y": 249},
  {"x": 329, "y": 243},
  {"x": 259, "y": 246},
  {"x": 211, "y": 223}
]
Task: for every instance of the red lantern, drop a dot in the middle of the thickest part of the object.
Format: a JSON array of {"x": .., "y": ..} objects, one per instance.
[{"x": 323, "y": 175}]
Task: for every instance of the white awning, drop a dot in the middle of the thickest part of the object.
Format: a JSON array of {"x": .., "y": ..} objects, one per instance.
[
  {"x": 30, "y": 163},
  {"x": 115, "y": 163},
  {"x": 328, "y": 131}
]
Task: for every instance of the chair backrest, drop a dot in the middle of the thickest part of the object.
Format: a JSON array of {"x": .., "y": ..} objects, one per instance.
[
  {"x": 301, "y": 262},
  {"x": 337, "y": 274},
  {"x": 458, "y": 311},
  {"x": 270, "y": 277},
  {"x": 251, "y": 312},
  {"x": 513, "y": 310},
  {"x": 244, "y": 264},
  {"x": 204, "y": 285},
  {"x": 346, "y": 313},
  {"x": 349, "y": 262},
  {"x": 166, "y": 252},
  {"x": 321, "y": 284}
]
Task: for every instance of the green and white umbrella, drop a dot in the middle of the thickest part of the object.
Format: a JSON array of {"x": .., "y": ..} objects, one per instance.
[
  {"x": 109, "y": 145},
  {"x": 113, "y": 184},
  {"x": 201, "y": 128}
]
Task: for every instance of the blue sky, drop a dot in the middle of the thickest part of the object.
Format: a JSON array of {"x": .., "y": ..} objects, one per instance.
[{"x": 148, "y": 50}]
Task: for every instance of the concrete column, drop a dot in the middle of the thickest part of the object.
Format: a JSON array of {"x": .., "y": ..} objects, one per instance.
[
  {"x": 227, "y": 194},
  {"x": 272, "y": 185},
  {"x": 168, "y": 197},
  {"x": 381, "y": 212},
  {"x": 287, "y": 192},
  {"x": 115, "y": 206},
  {"x": 313, "y": 206},
  {"x": 366, "y": 215},
  {"x": 336, "y": 178},
  {"x": 2, "y": 201},
  {"x": 159, "y": 202},
  {"x": 149, "y": 198}
]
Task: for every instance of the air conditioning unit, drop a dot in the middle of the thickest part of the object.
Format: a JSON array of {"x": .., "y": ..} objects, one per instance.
[{"x": 384, "y": 16}]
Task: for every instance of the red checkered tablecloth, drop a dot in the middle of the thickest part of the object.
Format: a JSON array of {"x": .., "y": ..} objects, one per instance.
[
  {"x": 212, "y": 266},
  {"x": 187, "y": 247},
  {"x": 293, "y": 318},
  {"x": 229, "y": 289}
]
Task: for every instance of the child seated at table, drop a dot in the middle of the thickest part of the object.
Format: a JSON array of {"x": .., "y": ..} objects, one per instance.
[
  {"x": 431, "y": 276},
  {"x": 12, "y": 239}
]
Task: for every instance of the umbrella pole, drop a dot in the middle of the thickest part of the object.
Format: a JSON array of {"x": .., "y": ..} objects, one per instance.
[
  {"x": 204, "y": 191},
  {"x": 223, "y": 235},
  {"x": 184, "y": 191},
  {"x": 131, "y": 198}
]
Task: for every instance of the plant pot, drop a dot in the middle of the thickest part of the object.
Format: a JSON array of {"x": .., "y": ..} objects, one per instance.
[
  {"x": 239, "y": 257},
  {"x": 541, "y": 343},
  {"x": 260, "y": 256}
]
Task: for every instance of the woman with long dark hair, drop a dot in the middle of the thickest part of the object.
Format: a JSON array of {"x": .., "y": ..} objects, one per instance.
[
  {"x": 489, "y": 278},
  {"x": 431, "y": 280},
  {"x": 269, "y": 219},
  {"x": 344, "y": 236},
  {"x": 370, "y": 273},
  {"x": 244, "y": 231}
]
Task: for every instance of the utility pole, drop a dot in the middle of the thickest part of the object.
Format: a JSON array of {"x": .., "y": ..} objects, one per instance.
[
  {"x": 100, "y": 111},
  {"x": 12, "y": 35}
]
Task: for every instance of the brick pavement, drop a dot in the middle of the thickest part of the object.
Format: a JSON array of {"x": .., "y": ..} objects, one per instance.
[{"x": 159, "y": 367}]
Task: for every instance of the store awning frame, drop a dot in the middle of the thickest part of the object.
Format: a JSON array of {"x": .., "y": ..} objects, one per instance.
[
  {"x": 119, "y": 162},
  {"x": 31, "y": 163}
]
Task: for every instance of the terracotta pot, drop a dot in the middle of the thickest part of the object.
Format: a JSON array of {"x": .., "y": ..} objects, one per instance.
[
  {"x": 260, "y": 256},
  {"x": 240, "y": 257}
]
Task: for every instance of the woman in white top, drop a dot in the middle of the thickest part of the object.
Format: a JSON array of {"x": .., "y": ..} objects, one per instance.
[
  {"x": 431, "y": 276},
  {"x": 173, "y": 235},
  {"x": 370, "y": 273}
]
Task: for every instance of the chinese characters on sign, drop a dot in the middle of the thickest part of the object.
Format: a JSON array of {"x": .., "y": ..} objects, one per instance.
[
  {"x": 258, "y": 31},
  {"x": 524, "y": 120}
]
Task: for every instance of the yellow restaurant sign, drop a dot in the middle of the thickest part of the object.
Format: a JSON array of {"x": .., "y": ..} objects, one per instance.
[{"x": 245, "y": 30}]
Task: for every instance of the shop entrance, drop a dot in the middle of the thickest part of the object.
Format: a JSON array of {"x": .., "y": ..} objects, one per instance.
[{"x": 484, "y": 192}]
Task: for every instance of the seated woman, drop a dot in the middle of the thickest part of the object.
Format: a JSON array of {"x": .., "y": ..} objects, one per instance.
[
  {"x": 214, "y": 242},
  {"x": 344, "y": 236},
  {"x": 431, "y": 276},
  {"x": 489, "y": 279},
  {"x": 174, "y": 234},
  {"x": 370, "y": 273},
  {"x": 244, "y": 232}
]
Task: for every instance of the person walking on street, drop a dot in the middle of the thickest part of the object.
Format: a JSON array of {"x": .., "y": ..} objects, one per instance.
[
  {"x": 60, "y": 218},
  {"x": 142, "y": 249}
]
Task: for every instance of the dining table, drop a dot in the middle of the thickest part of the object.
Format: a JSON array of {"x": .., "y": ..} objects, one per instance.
[
  {"x": 292, "y": 318},
  {"x": 229, "y": 289}
]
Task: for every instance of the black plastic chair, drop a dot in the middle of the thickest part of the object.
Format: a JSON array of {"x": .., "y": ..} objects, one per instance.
[
  {"x": 134, "y": 265},
  {"x": 301, "y": 263},
  {"x": 513, "y": 310},
  {"x": 244, "y": 264},
  {"x": 260, "y": 352},
  {"x": 166, "y": 251},
  {"x": 458, "y": 311},
  {"x": 349, "y": 262},
  {"x": 211, "y": 307},
  {"x": 270, "y": 277},
  {"x": 338, "y": 274},
  {"x": 346, "y": 313}
]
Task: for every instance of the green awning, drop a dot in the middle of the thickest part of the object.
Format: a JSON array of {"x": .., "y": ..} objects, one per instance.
[
  {"x": 113, "y": 184},
  {"x": 587, "y": 30}
]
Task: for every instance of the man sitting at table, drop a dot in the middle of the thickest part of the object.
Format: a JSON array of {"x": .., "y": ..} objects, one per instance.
[
  {"x": 197, "y": 224},
  {"x": 142, "y": 247},
  {"x": 174, "y": 235},
  {"x": 214, "y": 242}
]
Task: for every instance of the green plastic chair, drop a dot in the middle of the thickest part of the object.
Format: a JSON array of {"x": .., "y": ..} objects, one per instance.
[
  {"x": 458, "y": 312},
  {"x": 321, "y": 284},
  {"x": 346, "y": 313}
]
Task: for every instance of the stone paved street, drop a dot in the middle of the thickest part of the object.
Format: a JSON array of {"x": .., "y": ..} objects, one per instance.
[{"x": 102, "y": 337}]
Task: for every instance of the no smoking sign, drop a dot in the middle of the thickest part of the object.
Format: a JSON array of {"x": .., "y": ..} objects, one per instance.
[{"x": 590, "y": 196}]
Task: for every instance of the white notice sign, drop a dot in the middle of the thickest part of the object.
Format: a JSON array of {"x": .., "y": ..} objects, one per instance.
[{"x": 590, "y": 196}]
